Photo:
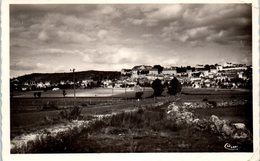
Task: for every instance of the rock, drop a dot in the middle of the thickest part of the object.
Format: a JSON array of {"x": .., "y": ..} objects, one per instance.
[
  {"x": 179, "y": 115},
  {"x": 188, "y": 116},
  {"x": 217, "y": 122},
  {"x": 213, "y": 128},
  {"x": 187, "y": 105},
  {"x": 189, "y": 121},
  {"x": 219, "y": 126},
  {"x": 173, "y": 108},
  {"x": 179, "y": 122},
  {"x": 196, "y": 121},
  {"x": 227, "y": 130},
  {"x": 239, "y": 126},
  {"x": 203, "y": 124},
  {"x": 240, "y": 135},
  {"x": 183, "y": 145},
  {"x": 213, "y": 118}
]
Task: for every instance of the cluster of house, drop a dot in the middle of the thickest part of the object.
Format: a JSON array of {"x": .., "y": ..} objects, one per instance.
[
  {"x": 35, "y": 85},
  {"x": 227, "y": 75}
]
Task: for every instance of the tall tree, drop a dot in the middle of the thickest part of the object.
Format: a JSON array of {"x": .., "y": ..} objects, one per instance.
[
  {"x": 157, "y": 87},
  {"x": 159, "y": 68},
  {"x": 174, "y": 86},
  {"x": 207, "y": 67}
]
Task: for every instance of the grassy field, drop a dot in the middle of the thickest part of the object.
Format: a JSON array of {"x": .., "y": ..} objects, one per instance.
[
  {"x": 95, "y": 92},
  {"x": 146, "y": 131}
]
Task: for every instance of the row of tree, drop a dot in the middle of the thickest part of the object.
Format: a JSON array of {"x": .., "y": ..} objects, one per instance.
[
  {"x": 173, "y": 87},
  {"x": 178, "y": 69}
]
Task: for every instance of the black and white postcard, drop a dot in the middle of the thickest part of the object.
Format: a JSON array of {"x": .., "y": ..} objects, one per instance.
[{"x": 138, "y": 80}]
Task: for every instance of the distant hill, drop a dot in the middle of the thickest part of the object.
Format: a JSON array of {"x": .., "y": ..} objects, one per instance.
[{"x": 57, "y": 77}]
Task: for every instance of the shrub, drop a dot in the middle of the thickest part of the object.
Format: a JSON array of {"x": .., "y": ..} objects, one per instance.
[
  {"x": 49, "y": 106},
  {"x": 73, "y": 114},
  {"x": 171, "y": 125},
  {"x": 64, "y": 114},
  {"x": 232, "y": 96},
  {"x": 98, "y": 124},
  {"x": 64, "y": 93},
  {"x": 138, "y": 95},
  {"x": 39, "y": 94},
  {"x": 205, "y": 100},
  {"x": 213, "y": 103},
  {"x": 84, "y": 104}
]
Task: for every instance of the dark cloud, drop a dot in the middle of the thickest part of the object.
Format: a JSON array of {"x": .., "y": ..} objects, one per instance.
[
  {"x": 103, "y": 35},
  {"x": 222, "y": 24}
]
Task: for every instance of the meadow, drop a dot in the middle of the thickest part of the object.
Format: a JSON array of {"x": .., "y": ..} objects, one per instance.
[{"x": 145, "y": 130}]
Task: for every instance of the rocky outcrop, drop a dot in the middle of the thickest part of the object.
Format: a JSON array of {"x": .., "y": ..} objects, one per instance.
[
  {"x": 227, "y": 130},
  {"x": 212, "y": 104},
  {"x": 179, "y": 116},
  {"x": 27, "y": 142},
  {"x": 220, "y": 127}
]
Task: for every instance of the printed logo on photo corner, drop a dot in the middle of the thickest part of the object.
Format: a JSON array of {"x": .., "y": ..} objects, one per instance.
[{"x": 230, "y": 147}]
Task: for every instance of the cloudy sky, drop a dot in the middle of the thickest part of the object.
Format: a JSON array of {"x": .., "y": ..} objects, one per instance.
[{"x": 56, "y": 38}]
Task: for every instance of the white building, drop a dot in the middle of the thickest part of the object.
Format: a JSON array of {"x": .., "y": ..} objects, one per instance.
[
  {"x": 151, "y": 77},
  {"x": 205, "y": 73},
  {"x": 219, "y": 67},
  {"x": 241, "y": 75},
  {"x": 126, "y": 71},
  {"x": 153, "y": 71},
  {"x": 169, "y": 71},
  {"x": 194, "y": 79},
  {"x": 189, "y": 72},
  {"x": 47, "y": 84},
  {"x": 234, "y": 68},
  {"x": 214, "y": 71},
  {"x": 40, "y": 85},
  {"x": 62, "y": 82}
]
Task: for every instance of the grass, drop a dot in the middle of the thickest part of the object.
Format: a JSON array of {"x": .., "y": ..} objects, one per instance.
[
  {"x": 131, "y": 124},
  {"x": 146, "y": 130}
]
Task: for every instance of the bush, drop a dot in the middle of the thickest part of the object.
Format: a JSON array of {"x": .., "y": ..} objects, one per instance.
[
  {"x": 49, "y": 106},
  {"x": 138, "y": 95},
  {"x": 174, "y": 86},
  {"x": 205, "y": 100},
  {"x": 39, "y": 94},
  {"x": 84, "y": 104},
  {"x": 157, "y": 87},
  {"x": 64, "y": 93},
  {"x": 74, "y": 114},
  {"x": 213, "y": 103}
]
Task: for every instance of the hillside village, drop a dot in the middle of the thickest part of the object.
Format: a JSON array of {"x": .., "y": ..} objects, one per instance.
[{"x": 227, "y": 75}]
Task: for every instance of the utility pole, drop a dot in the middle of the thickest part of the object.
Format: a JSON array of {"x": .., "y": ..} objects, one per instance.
[
  {"x": 125, "y": 88},
  {"x": 74, "y": 88},
  {"x": 113, "y": 85}
]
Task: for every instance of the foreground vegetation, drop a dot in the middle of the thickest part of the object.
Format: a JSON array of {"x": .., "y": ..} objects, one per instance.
[{"x": 146, "y": 125}]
